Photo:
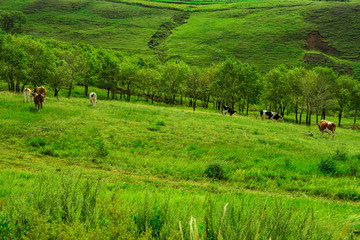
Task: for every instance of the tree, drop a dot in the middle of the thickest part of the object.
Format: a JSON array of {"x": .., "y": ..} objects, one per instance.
[
  {"x": 233, "y": 82},
  {"x": 13, "y": 61},
  {"x": 88, "y": 74},
  {"x": 295, "y": 77},
  {"x": 40, "y": 61},
  {"x": 149, "y": 80},
  {"x": 205, "y": 82},
  {"x": 77, "y": 63},
  {"x": 128, "y": 74},
  {"x": 173, "y": 75},
  {"x": 192, "y": 86},
  {"x": 324, "y": 89},
  {"x": 278, "y": 88},
  {"x": 11, "y": 21},
  {"x": 107, "y": 70},
  {"x": 61, "y": 77},
  {"x": 344, "y": 89},
  {"x": 355, "y": 98}
]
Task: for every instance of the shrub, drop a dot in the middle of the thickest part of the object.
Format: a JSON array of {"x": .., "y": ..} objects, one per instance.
[
  {"x": 215, "y": 171},
  {"x": 160, "y": 123},
  {"x": 339, "y": 156},
  {"x": 354, "y": 169},
  {"x": 328, "y": 166},
  {"x": 154, "y": 128},
  {"x": 37, "y": 142}
]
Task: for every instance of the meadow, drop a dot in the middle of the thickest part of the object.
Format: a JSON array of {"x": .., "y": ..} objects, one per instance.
[
  {"x": 139, "y": 170},
  {"x": 263, "y": 33}
]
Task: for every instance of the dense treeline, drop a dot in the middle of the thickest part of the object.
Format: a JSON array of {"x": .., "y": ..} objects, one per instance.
[{"x": 26, "y": 61}]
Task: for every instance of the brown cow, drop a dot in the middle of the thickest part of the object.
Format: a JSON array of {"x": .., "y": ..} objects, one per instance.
[
  {"x": 40, "y": 90},
  {"x": 38, "y": 100},
  {"x": 326, "y": 126}
]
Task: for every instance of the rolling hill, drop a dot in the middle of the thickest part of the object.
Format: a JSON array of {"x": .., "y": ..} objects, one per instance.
[{"x": 263, "y": 33}]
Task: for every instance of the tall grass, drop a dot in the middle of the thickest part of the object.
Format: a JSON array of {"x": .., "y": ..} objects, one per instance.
[
  {"x": 61, "y": 205},
  {"x": 76, "y": 171}
]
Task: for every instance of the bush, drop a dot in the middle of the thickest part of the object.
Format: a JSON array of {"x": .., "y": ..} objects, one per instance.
[
  {"x": 215, "y": 171},
  {"x": 339, "y": 156},
  {"x": 160, "y": 123},
  {"x": 37, "y": 142},
  {"x": 328, "y": 166}
]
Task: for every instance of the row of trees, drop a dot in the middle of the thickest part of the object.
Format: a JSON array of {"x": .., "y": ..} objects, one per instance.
[{"x": 26, "y": 61}]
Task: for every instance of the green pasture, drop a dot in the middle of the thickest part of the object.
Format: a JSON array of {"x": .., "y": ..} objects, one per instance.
[
  {"x": 263, "y": 33},
  {"x": 75, "y": 158}
]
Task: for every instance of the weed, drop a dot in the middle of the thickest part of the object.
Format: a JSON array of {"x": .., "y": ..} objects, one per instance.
[
  {"x": 37, "y": 142},
  {"x": 101, "y": 151},
  {"x": 288, "y": 163},
  {"x": 328, "y": 166},
  {"x": 215, "y": 171},
  {"x": 160, "y": 123},
  {"x": 339, "y": 156},
  {"x": 154, "y": 128}
]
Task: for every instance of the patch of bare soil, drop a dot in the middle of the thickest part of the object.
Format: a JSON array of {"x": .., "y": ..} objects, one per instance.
[{"x": 314, "y": 40}]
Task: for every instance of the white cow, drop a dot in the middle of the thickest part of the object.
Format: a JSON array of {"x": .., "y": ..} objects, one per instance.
[
  {"x": 28, "y": 95},
  {"x": 93, "y": 97}
]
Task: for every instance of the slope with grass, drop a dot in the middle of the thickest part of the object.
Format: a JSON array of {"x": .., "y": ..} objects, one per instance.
[
  {"x": 264, "y": 33},
  {"x": 142, "y": 147}
]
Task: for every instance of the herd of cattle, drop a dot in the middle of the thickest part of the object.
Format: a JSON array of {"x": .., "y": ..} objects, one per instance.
[
  {"x": 39, "y": 95},
  {"x": 324, "y": 125}
]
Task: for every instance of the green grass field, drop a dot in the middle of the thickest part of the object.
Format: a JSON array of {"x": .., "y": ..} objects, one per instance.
[
  {"x": 263, "y": 33},
  {"x": 141, "y": 154}
]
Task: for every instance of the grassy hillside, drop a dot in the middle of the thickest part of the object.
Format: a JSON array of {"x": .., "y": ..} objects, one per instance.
[
  {"x": 264, "y": 33},
  {"x": 143, "y": 147}
]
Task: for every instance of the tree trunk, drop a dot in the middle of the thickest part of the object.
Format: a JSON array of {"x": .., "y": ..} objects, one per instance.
[
  {"x": 247, "y": 107},
  {"x": 355, "y": 116},
  {"x": 86, "y": 90},
  {"x": 301, "y": 112},
  {"x": 194, "y": 104},
  {"x": 296, "y": 114},
  {"x": 70, "y": 88},
  {"x": 340, "y": 114},
  {"x": 317, "y": 116},
  {"x": 108, "y": 95},
  {"x": 323, "y": 114},
  {"x": 22, "y": 88}
]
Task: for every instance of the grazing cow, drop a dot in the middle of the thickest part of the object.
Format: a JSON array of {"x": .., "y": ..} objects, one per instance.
[
  {"x": 28, "y": 94},
  {"x": 93, "y": 98},
  {"x": 38, "y": 100},
  {"x": 227, "y": 109},
  {"x": 40, "y": 90},
  {"x": 265, "y": 114},
  {"x": 326, "y": 126}
]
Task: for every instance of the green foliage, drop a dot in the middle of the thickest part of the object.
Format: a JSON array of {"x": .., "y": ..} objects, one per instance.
[
  {"x": 11, "y": 21},
  {"x": 215, "y": 171},
  {"x": 37, "y": 142},
  {"x": 339, "y": 156},
  {"x": 328, "y": 166}
]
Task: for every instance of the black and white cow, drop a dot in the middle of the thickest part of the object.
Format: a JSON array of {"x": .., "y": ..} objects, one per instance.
[
  {"x": 270, "y": 115},
  {"x": 227, "y": 109}
]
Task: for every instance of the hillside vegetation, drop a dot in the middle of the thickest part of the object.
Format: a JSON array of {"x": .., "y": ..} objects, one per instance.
[
  {"x": 126, "y": 169},
  {"x": 264, "y": 33}
]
